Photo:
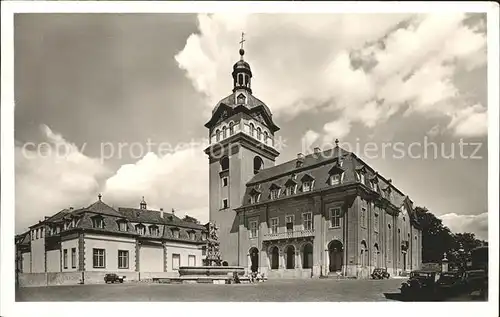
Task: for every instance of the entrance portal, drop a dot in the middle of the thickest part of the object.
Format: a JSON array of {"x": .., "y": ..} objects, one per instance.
[
  {"x": 336, "y": 255},
  {"x": 290, "y": 257},
  {"x": 275, "y": 258},
  {"x": 254, "y": 258}
]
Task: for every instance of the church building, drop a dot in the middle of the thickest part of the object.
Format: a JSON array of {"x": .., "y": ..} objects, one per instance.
[{"x": 322, "y": 213}]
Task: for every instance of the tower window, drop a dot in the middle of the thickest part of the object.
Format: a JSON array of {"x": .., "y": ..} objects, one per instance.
[
  {"x": 224, "y": 132},
  {"x": 231, "y": 128},
  {"x": 241, "y": 99},
  {"x": 258, "y": 164},
  {"x": 217, "y": 135},
  {"x": 224, "y": 163},
  {"x": 252, "y": 129},
  {"x": 259, "y": 133},
  {"x": 240, "y": 80},
  {"x": 224, "y": 181},
  {"x": 266, "y": 137},
  {"x": 225, "y": 204}
]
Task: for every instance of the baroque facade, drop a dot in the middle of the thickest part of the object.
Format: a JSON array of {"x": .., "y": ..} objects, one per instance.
[
  {"x": 102, "y": 239},
  {"x": 323, "y": 213}
]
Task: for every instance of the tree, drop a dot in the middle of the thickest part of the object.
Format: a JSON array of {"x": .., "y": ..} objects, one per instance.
[{"x": 437, "y": 239}]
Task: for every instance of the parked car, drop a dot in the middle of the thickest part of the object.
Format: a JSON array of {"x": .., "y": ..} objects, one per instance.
[
  {"x": 112, "y": 278},
  {"x": 380, "y": 273},
  {"x": 420, "y": 285},
  {"x": 451, "y": 283}
]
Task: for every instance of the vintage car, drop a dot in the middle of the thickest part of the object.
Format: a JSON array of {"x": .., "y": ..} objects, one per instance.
[
  {"x": 380, "y": 273},
  {"x": 420, "y": 285},
  {"x": 112, "y": 278},
  {"x": 451, "y": 283}
]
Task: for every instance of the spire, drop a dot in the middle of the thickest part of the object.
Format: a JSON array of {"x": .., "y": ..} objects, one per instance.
[{"x": 242, "y": 73}]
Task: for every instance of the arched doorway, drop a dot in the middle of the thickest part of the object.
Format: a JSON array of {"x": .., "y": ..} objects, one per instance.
[
  {"x": 254, "y": 259},
  {"x": 363, "y": 254},
  {"x": 307, "y": 256},
  {"x": 376, "y": 253},
  {"x": 336, "y": 255},
  {"x": 275, "y": 258},
  {"x": 290, "y": 257}
]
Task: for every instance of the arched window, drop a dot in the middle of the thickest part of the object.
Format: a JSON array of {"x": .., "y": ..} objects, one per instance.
[
  {"x": 240, "y": 79},
  {"x": 217, "y": 134},
  {"x": 258, "y": 164},
  {"x": 266, "y": 137},
  {"x": 224, "y": 132},
  {"x": 224, "y": 163},
  {"x": 275, "y": 256},
  {"x": 231, "y": 128},
  {"x": 259, "y": 133},
  {"x": 376, "y": 253},
  {"x": 252, "y": 129}
]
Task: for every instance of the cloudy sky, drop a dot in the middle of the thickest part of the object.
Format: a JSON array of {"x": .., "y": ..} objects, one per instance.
[{"x": 87, "y": 84}]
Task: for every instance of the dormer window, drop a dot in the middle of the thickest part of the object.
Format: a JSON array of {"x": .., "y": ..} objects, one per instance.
[
  {"x": 254, "y": 196},
  {"x": 290, "y": 190},
  {"x": 154, "y": 230},
  {"x": 336, "y": 174},
  {"x": 122, "y": 225},
  {"x": 334, "y": 179},
  {"x": 241, "y": 99},
  {"x": 140, "y": 229},
  {"x": 307, "y": 183},
  {"x": 192, "y": 236},
  {"x": 175, "y": 233},
  {"x": 275, "y": 193},
  {"x": 98, "y": 222},
  {"x": 361, "y": 177},
  {"x": 360, "y": 173}
]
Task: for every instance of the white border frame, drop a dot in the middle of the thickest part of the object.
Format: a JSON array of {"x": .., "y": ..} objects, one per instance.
[{"x": 10, "y": 308}]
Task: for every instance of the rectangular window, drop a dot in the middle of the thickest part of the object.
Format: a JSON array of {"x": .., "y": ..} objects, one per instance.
[
  {"x": 253, "y": 229},
  {"x": 191, "y": 260},
  {"x": 363, "y": 217},
  {"x": 335, "y": 179},
  {"x": 122, "y": 259},
  {"x": 290, "y": 190},
  {"x": 37, "y": 233},
  {"x": 306, "y": 187},
  {"x": 73, "y": 257},
  {"x": 99, "y": 260},
  {"x": 41, "y": 233},
  {"x": 140, "y": 229},
  {"x": 274, "y": 226},
  {"x": 98, "y": 223},
  {"x": 254, "y": 198},
  {"x": 65, "y": 258},
  {"x": 154, "y": 231},
  {"x": 176, "y": 261},
  {"x": 334, "y": 217},
  {"x": 225, "y": 204},
  {"x": 307, "y": 221},
  {"x": 275, "y": 193},
  {"x": 224, "y": 181},
  {"x": 375, "y": 222},
  {"x": 123, "y": 226},
  {"x": 289, "y": 220}
]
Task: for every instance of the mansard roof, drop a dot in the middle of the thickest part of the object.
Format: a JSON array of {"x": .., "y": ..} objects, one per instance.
[{"x": 319, "y": 166}]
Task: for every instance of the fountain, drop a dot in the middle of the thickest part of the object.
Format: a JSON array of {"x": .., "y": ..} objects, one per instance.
[{"x": 212, "y": 272}]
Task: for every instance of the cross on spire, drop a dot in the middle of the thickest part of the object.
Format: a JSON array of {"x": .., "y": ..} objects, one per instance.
[{"x": 242, "y": 39}]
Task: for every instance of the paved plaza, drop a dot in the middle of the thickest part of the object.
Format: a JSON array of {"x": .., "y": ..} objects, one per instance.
[{"x": 274, "y": 290}]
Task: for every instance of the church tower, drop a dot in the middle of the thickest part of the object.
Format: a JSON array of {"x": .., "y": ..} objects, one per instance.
[{"x": 241, "y": 133}]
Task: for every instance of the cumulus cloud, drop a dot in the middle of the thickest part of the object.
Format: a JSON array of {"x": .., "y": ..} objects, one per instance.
[
  {"x": 477, "y": 224},
  {"x": 177, "y": 180},
  {"x": 356, "y": 67},
  {"x": 52, "y": 175},
  {"x": 309, "y": 138},
  {"x": 469, "y": 122},
  {"x": 60, "y": 175}
]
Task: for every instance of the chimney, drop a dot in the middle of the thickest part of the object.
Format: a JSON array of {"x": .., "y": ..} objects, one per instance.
[
  {"x": 317, "y": 150},
  {"x": 300, "y": 156},
  {"x": 70, "y": 208},
  {"x": 161, "y": 212}
]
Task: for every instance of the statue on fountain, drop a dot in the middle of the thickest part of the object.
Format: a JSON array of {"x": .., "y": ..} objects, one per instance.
[{"x": 213, "y": 257}]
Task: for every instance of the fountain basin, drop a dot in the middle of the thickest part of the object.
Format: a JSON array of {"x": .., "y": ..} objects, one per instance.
[{"x": 210, "y": 270}]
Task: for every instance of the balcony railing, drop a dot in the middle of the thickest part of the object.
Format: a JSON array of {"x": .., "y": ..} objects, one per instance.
[{"x": 288, "y": 235}]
